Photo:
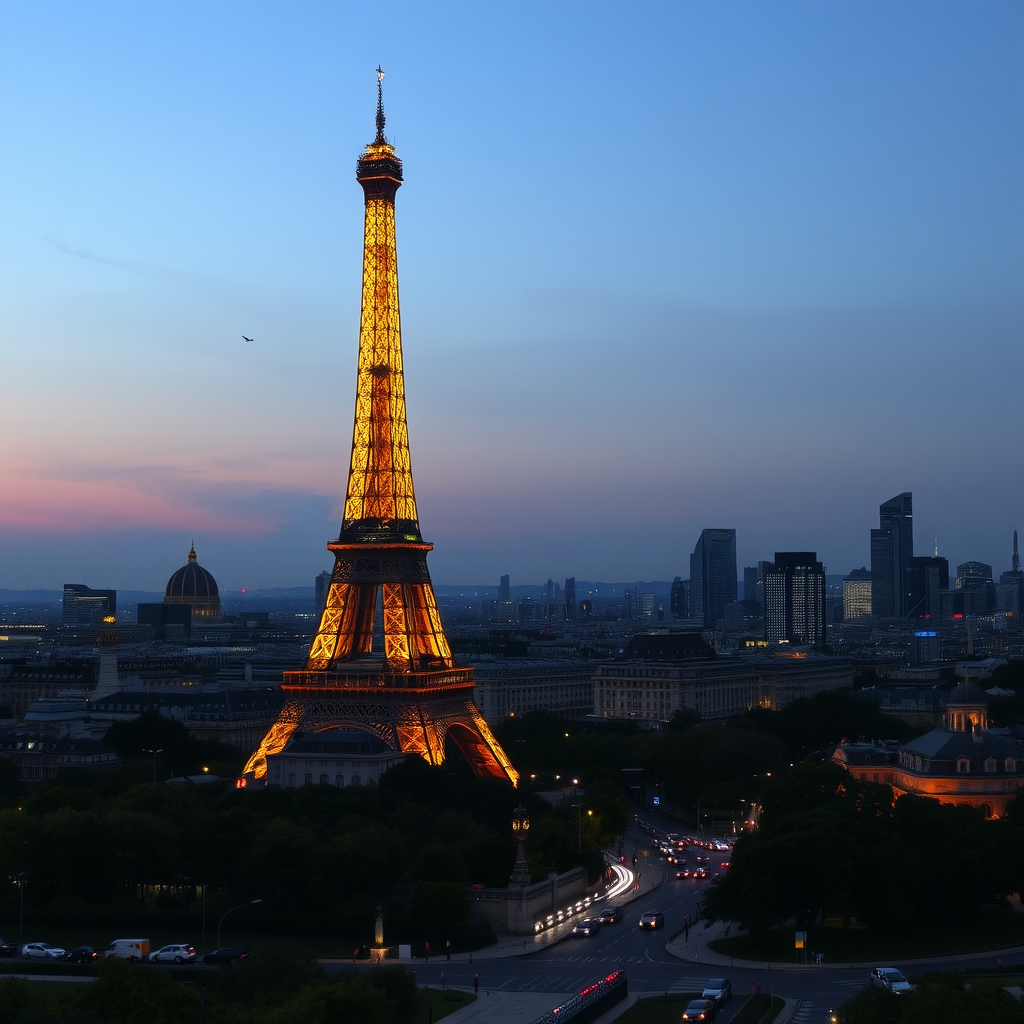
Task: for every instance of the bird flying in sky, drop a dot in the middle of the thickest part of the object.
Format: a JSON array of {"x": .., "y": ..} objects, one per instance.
[{"x": 244, "y": 338}]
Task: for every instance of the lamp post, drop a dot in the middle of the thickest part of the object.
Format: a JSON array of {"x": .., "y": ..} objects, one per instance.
[
  {"x": 251, "y": 903},
  {"x": 520, "y": 827},
  {"x": 21, "y": 907},
  {"x": 154, "y": 753},
  {"x": 579, "y": 814}
]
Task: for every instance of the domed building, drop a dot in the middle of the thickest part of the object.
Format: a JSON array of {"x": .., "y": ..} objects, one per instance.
[
  {"x": 194, "y": 586},
  {"x": 965, "y": 762}
]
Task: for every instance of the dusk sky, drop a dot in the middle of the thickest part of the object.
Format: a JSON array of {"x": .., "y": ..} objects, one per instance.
[{"x": 664, "y": 266}]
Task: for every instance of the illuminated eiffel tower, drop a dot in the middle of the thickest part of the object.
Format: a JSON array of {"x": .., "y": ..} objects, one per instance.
[{"x": 411, "y": 694}]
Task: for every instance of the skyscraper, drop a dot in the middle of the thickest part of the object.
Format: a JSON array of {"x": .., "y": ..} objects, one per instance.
[
  {"x": 713, "y": 581},
  {"x": 928, "y": 576},
  {"x": 857, "y": 595},
  {"x": 504, "y": 591},
  {"x": 678, "y": 602},
  {"x": 892, "y": 548},
  {"x": 570, "y": 599},
  {"x": 794, "y": 599},
  {"x": 83, "y": 606},
  {"x": 1011, "y": 587},
  {"x": 321, "y": 585}
]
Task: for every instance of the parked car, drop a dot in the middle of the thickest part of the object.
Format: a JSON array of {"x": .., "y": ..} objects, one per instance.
[
  {"x": 891, "y": 980},
  {"x": 652, "y": 919},
  {"x": 181, "y": 953},
  {"x": 610, "y": 915},
  {"x": 82, "y": 955},
  {"x": 8, "y": 948},
  {"x": 718, "y": 989},
  {"x": 42, "y": 951},
  {"x": 699, "y": 1009},
  {"x": 226, "y": 955},
  {"x": 588, "y": 926}
]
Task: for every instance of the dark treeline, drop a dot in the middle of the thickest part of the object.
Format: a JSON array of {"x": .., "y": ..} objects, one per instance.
[
  {"x": 830, "y": 845},
  {"x": 275, "y": 985}
]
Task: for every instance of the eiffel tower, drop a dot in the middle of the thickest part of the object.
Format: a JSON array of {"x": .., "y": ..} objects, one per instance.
[{"x": 411, "y": 694}]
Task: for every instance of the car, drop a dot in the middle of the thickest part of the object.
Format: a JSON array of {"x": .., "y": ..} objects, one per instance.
[
  {"x": 652, "y": 919},
  {"x": 226, "y": 955},
  {"x": 588, "y": 926},
  {"x": 180, "y": 953},
  {"x": 42, "y": 951},
  {"x": 610, "y": 915},
  {"x": 82, "y": 955},
  {"x": 718, "y": 989},
  {"x": 726, "y": 864},
  {"x": 685, "y": 873},
  {"x": 890, "y": 980},
  {"x": 700, "y": 872},
  {"x": 699, "y": 1009},
  {"x": 8, "y": 948}
]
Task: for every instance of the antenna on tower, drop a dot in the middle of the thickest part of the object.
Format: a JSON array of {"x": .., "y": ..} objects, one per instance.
[
  {"x": 1016, "y": 557},
  {"x": 380, "y": 106},
  {"x": 936, "y": 547}
]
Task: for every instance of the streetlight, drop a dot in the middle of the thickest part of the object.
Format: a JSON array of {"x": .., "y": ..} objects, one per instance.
[
  {"x": 154, "y": 753},
  {"x": 21, "y": 906},
  {"x": 251, "y": 903},
  {"x": 579, "y": 814}
]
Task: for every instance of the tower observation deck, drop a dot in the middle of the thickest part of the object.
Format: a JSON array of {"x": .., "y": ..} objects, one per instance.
[{"x": 410, "y": 693}]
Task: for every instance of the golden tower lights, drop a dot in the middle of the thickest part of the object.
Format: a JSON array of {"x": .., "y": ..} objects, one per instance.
[{"x": 412, "y": 696}]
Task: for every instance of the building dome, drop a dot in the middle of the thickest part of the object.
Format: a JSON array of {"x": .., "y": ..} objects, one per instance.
[
  {"x": 967, "y": 693},
  {"x": 194, "y": 586}
]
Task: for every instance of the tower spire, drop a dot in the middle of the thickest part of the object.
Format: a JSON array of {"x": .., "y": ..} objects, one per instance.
[
  {"x": 380, "y": 107},
  {"x": 1016, "y": 557}
]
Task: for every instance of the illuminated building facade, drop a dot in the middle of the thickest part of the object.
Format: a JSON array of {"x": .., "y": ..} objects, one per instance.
[
  {"x": 401, "y": 683},
  {"x": 857, "y": 596},
  {"x": 794, "y": 599},
  {"x": 965, "y": 762}
]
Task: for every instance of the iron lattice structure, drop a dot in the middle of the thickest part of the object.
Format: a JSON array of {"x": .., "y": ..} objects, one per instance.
[{"x": 411, "y": 695}]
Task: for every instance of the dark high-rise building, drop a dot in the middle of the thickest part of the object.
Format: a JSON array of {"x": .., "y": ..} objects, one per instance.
[
  {"x": 321, "y": 584},
  {"x": 928, "y": 577},
  {"x": 570, "y": 599},
  {"x": 1011, "y": 587},
  {"x": 504, "y": 591},
  {"x": 713, "y": 576},
  {"x": 892, "y": 548},
  {"x": 974, "y": 580},
  {"x": 794, "y": 599},
  {"x": 678, "y": 600},
  {"x": 84, "y": 606}
]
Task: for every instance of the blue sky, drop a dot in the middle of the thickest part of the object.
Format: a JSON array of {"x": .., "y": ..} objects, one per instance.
[{"x": 663, "y": 266}]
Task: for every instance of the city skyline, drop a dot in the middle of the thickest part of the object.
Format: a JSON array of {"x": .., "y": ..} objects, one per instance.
[{"x": 817, "y": 305}]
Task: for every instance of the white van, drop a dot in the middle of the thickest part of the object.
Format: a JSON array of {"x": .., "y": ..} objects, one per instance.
[{"x": 129, "y": 949}]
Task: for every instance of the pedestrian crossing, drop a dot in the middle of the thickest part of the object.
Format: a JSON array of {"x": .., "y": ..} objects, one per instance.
[{"x": 687, "y": 983}]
